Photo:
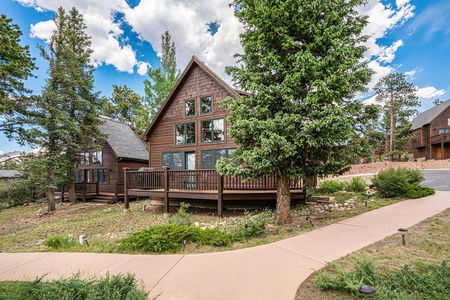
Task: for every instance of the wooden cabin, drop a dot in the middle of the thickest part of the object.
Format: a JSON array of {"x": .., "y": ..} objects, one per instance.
[
  {"x": 186, "y": 138},
  {"x": 430, "y": 133},
  {"x": 100, "y": 173}
]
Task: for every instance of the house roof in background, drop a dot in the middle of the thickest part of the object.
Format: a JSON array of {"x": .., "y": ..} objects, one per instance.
[
  {"x": 9, "y": 174},
  {"x": 429, "y": 115},
  {"x": 122, "y": 139}
]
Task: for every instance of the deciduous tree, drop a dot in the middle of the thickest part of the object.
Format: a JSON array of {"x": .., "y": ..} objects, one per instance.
[
  {"x": 302, "y": 65},
  {"x": 399, "y": 105}
]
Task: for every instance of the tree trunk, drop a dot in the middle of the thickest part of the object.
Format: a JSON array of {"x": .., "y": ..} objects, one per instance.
[
  {"x": 284, "y": 199},
  {"x": 51, "y": 199},
  {"x": 391, "y": 138},
  {"x": 71, "y": 186}
]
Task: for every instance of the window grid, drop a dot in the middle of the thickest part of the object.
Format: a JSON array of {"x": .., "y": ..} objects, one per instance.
[
  {"x": 185, "y": 134},
  {"x": 213, "y": 131}
]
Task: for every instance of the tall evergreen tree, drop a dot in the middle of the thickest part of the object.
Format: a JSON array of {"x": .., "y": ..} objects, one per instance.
[
  {"x": 16, "y": 65},
  {"x": 160, "y": 82},
  {"x": 399, "y": 105},
  {"x": 302, "y": 64},
  {"x": 63, "y": 119},
  {"x": 123, "y": 105}
]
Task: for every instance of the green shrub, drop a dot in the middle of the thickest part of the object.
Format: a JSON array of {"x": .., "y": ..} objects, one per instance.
[
  {"x": 251, "y": 226},
  {"x": 414, "y": 176},
  {"x": 419, "y": 191},
  {"x": 356, "y": 185},
  {"x": 181, "y": 217},
  {"x": 329, "y": 187},
  {"x": 115, "y": 287},
  {"x": 170, "y": 238},
  {"x": 395, "y": 182},
  {"x": 58, "y": 242},
  {"x": 426, "y": 282}
]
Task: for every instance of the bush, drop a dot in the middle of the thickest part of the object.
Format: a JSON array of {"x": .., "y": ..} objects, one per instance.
[
  {"x": 111, "y": 287},
  {"x": 170, "y": 238},
  {"x": 329, "y": 187},
  {"x": 396, "y": 182},
  {"x": 58, "y": 242},
  {"x": 419, "y": 191},
  {"x": 356, "y": 185},
  {"x": 181, "y": 217},
  {"x": 251, "y": 226}
]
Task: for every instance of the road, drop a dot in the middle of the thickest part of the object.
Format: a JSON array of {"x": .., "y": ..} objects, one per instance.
[{"x": 437, "y": 179}]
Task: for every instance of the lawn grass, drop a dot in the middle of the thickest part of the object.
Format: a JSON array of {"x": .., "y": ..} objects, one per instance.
[
  {"x": 25, "y": 228},
  {"x": 426, "y": 243},
  {"x": 115, "y": 287}
]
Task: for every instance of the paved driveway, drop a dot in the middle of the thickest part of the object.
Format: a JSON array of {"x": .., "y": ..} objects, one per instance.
[{"x": 437, "y": 179}]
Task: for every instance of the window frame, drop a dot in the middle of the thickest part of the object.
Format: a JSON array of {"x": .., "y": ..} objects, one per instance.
[
  {"x": 85, "y": 158},
  {"x": 185, "y": 131},
  {"x": 101, "y": 175},
  {"x": 94, "y": 154},
  {"x": 185, "y": 108},
  {"x": 228, "y": 152},
  {"x": 201, "y": 106},
  {"x": 172, "y": 160},
  {"x": 212, "y": 131}
]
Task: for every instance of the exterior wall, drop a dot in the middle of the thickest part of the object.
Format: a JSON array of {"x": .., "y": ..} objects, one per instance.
[
  {"x": 428, "y": 138},
  {"x": 115, "y": 169},
  {"x": 197, "y": 84}
]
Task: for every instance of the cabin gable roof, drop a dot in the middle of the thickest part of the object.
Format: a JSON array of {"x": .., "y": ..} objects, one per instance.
[
  {"x": 428, "y": 116},
  {"x": 193, "y": 64}
]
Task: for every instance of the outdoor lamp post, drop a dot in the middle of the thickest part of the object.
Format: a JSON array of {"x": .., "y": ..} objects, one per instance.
[
  {"x": 403, "y": 232},
  {"x": 367, "y": 291},
  {"x": 308, "y": 218}
]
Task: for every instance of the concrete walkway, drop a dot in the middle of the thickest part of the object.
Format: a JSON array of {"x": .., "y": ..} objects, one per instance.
[{"x": 272, "y": 271}]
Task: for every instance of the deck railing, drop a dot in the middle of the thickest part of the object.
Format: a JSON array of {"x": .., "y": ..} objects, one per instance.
[
  {"x": 199, "y": 180},
  {"x": 83, "y": 188},
  {"x": 440, "y": 138}
]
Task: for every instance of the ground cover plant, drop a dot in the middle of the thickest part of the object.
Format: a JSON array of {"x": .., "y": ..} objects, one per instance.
[
  {"x": 396, "y": 182},
  {"x": 116, "y": 287},
  {"x": 418, "y": 270}
]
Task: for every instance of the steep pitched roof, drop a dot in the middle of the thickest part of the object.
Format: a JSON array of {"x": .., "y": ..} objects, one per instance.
[
  {"x": 192, "y": 63},
  {"x": 429, "y": 115},
  {"x": 9, "y": 174},
  {"x": 122, "y": 139}
]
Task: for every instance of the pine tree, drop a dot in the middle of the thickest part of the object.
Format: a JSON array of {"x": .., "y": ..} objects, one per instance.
[
  {"x": 160, "y": 82},
  {"x": 123, "y": 105},
  {"x": 399, "y": 105},
  {"x": 302, "y": 63},
  {"x": 16, "y": 66},
  {"x": 63, "y": 118}
]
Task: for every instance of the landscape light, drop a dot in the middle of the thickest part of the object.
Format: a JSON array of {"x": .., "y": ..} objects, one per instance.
[
  {"x": 308, "y": 218},
  {"x": 403, "y": 232},
  {"x": 83, "y": 239},
  {"x": 184, "y": 245},
  {"x": 367, "y": 291}
]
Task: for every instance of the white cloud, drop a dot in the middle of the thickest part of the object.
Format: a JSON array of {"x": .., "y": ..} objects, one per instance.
[
  {"x": 387, "y": 54},
  {"x": 411, "y": 75},
  {"x": 429, "y": 92},
  {"x": 142, "y": 68},
  {"x": 42, "y": 30}
]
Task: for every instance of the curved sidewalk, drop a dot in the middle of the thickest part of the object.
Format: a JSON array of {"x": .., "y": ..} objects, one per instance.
[{"x": 272, "y": 271}]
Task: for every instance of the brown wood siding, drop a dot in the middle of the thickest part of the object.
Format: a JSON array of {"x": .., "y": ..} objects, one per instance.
[
  {"x": 129, "y": 164},
  {"x": 198, "y": 84}
]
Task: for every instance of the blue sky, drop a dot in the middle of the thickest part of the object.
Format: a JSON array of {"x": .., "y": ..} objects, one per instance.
[{"x": 407, "y": 36}]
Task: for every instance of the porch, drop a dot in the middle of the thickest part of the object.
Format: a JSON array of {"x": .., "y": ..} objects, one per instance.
[
  {"x": 92, "y": 191},
  {"x": 206, "y": 185}
]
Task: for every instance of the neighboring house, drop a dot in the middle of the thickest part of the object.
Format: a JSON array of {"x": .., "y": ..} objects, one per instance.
[
  {"x": 122, "y": 149},
  {"x": 430, "y": 133},
  {"x": 9, "y": 174},
  {"x": 189, "y": 131}
]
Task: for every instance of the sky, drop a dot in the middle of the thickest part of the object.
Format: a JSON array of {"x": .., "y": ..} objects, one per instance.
[{"x": 406, "y": 36}]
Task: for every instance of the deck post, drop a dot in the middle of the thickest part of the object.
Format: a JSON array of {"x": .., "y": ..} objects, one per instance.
[
  {"x": 220, "y": 196},
  {"x": 83, "y": 185},
  {"x": 116, "y": 193},
  {"x": 97, "y": 188},
  {"x": 126, "y": 200},
  {"x": 166, "y": 189}
]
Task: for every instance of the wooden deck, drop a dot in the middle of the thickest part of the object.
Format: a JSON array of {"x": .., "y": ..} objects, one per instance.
[{"x": 203, "y": 185}]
